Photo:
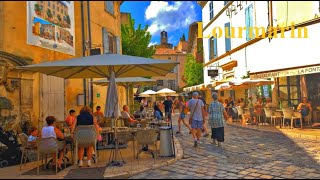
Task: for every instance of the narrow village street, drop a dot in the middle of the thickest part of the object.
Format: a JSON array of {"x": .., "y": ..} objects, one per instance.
[{"x": 247, "y": 154}]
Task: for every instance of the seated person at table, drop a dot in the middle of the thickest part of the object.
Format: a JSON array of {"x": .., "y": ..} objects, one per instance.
[
  {"x": 98, "y": 114},
  {"x": 157, "y": 112},
  {"x": 268, "y": 103},
  {"x": 85, "y": 118},
  {"x": 126, "y": 115},
  {"x": 257, "y": 110},
  {"x": 71, "y": 118},
  {"x": 32, "y": 139},
  {"x": 51, "y": 131},
  {"x": 305, "y": 109},
  {"x": 140, "y": 113},
  {"x": 242, "y": 104}
]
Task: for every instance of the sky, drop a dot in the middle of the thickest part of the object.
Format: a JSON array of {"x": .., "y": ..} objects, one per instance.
[{"x": 171, "y": 16}]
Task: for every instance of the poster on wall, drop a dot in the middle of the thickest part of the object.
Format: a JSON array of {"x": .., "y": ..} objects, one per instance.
[{"x": 50, "y": 25}]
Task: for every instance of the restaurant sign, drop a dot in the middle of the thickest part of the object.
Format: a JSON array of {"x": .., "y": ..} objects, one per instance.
[{"x": 290, "y": 72}]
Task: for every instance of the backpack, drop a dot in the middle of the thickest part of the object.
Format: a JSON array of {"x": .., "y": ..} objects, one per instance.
[{"x": 186, "y": 109}]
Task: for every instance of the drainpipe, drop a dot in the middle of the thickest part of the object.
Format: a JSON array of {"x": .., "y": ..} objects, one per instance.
[
  {"x": 83, "y": 53},
  {"x": 89, "y": 31}
]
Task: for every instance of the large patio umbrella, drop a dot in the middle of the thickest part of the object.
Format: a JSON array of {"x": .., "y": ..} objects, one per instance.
[
  {"x": 149, "y": 92},
  {"x": 102, "y": 66},
  {"x": 127, "y": 83},
  {"x": 166, "y": 92}
]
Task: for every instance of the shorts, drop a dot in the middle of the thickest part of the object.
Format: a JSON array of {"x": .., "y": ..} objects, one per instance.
[
  {"x": 168, "y": 114},
  {"x": 182, "y": 115},
  {"x": 196, "y": 124}
]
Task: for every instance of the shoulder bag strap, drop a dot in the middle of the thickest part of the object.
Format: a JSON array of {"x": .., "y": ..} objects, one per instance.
[{"x": 194, "y": 110}]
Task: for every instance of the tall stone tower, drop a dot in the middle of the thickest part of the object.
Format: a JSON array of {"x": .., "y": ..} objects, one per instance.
[{"x": 164, "y": 37}]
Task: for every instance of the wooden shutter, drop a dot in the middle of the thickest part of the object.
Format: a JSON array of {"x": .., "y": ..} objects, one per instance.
[
  {"x": 228, "y": 40},
  {"x": 105, "y": 40},
  {"x": 118, "y": 44}
]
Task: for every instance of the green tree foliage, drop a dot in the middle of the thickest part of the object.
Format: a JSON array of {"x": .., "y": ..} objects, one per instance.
[
  {"x": 37, "y": 8},
  {"x": 135, "y": 41},
  {"x": 68, "y": 19},
  {"x": 59, "y": 18},
  {"x": 49, "y": 13},
  {"x": 193, "y": 71}
]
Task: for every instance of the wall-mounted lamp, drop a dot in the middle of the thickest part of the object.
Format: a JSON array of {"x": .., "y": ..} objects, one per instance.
[{"x": 80, "y": 99}]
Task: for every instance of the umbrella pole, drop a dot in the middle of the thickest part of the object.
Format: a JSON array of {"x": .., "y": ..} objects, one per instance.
[{"x": 128, "y": 88}]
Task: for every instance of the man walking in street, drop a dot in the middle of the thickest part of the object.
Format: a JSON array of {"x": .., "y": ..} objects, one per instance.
[
  {"x": 197, "y": 116},
  {"x": 168, "y": 107}
]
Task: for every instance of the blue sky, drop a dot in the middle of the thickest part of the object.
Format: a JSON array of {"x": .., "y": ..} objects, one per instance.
[{"x": 171, "y": 16}]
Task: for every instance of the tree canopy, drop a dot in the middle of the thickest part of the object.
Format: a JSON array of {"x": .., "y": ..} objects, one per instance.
[
  {"x": 193, "y": 71},
  {"x": 135, "y": 42}
]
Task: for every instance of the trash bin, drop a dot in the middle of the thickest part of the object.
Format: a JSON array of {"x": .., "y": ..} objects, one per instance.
[{"x": 166, "y": 148}]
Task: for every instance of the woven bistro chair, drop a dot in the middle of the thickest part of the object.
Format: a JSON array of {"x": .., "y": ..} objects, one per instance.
[
  {"x": 85, "y": 136},
  {"x": 288, "y": 114},
  {"x": 48, "y": 146},
  {"x": 123, "y": 137},
  {"x": 25, "y": 147},
  {"x": 147, "y": 137},
  {"x": 268, "y": 113}
]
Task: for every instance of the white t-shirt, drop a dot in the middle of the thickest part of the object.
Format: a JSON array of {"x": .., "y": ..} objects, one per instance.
[
  {"x": 125, "y": 115},
  {"x": 48, "y": 131}
]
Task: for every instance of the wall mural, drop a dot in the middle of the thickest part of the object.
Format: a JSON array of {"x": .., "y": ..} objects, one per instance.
[{"x": 50, "y": 25}]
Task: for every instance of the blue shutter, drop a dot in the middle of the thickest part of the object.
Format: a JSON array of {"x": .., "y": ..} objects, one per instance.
[
  {"x": 215, "y": 47},
  {"x": 247, "y": 23},
  {"x": 251, "y": 19},
  {"x": 209, "y": 48},
  {"x": 228, "y": 40}
]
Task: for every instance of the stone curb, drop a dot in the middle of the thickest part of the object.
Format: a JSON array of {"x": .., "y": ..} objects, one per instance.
[
  {"x": 293, "y": 135},
  {"x": 126, "y": 175}
]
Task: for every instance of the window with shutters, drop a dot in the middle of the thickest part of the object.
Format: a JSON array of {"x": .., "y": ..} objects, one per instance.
[
  {"x": 210, "y": 48},
  {"x": 228, "y": 38},
  {"x": 215, "y": 47},
  {"x": 109, "y": 6},
  {"x": 249, "y": 22},
  {"x": 112, "y": 44},
  {"x": 160, "y": 83},
  {"x": 211, "y": 10}
]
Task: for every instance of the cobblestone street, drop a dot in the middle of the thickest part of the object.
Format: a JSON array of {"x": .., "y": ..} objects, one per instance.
[{"x": 246, "y": 154}]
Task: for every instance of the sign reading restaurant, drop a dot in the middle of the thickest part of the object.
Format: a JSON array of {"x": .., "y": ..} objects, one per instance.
[{"x": 290, "y": 72}]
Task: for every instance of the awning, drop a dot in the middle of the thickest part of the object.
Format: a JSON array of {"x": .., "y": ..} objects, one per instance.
[
  {"x": 197, "y": 87},
  {"x": 230, "y": 65},
  {"x": 286, "y": 72}
]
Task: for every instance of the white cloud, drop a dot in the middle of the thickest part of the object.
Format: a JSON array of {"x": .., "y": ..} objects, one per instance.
[
  {"x": 169, "y": 17},
  {"x": 152, "y": 43}
]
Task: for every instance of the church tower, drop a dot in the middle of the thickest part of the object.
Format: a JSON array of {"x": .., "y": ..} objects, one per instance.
[{"x": 164, "y": 37}]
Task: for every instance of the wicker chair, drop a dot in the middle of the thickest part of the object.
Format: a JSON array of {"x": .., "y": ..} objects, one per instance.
[
  {"x": 268, "y": 113},
  {"x": 123, "y": 138},
  {"x": 48, "y": 146},
  {"x": 26, "y": 147},
  {"x": 288, "y": 114},
  {"x": 147, "y": 137},
  {"x": 85, "y": 136}
]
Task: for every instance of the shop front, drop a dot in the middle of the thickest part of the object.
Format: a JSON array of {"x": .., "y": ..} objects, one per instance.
[{"x": 295, "y": 83}]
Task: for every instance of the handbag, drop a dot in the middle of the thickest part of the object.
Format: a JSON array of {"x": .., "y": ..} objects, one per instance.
[{"x": 190, "y": 119}]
